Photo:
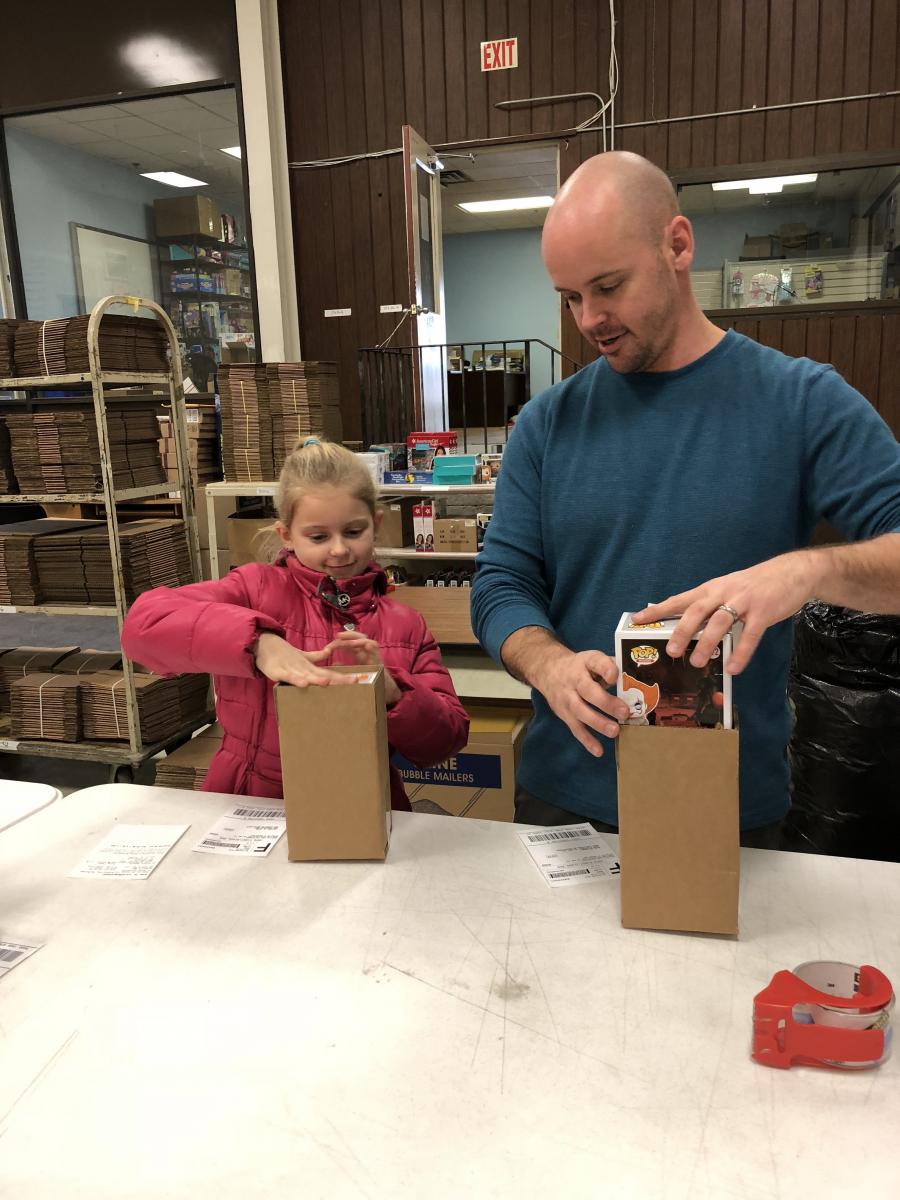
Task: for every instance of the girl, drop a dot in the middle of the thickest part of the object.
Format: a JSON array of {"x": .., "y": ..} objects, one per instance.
[{"x": 322, "y": 600}]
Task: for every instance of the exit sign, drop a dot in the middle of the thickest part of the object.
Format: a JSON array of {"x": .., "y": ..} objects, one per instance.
[{"x": 500, "y": 56}]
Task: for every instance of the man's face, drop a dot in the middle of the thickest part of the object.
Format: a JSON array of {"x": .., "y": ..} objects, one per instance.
[{"x": 621, "y": 290}]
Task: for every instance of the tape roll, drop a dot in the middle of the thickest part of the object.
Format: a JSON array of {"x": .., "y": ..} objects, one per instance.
[{"x": 840, "y": 979}]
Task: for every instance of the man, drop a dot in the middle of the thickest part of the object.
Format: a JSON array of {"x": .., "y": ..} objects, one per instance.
[{"x": 686, "y": 463}]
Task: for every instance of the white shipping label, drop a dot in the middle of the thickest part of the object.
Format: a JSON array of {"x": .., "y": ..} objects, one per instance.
[
  {"x": 129, "y": 852},
  {"x": 12, "y": 953},
  {"x": 569, "y": 854},
  {"x": 248, "y": 829}
]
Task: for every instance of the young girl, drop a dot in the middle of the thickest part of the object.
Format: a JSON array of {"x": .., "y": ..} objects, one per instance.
[{"x": 322, "y": 601}]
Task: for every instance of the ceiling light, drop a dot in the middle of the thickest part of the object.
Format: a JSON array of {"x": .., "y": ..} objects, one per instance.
[
  {"x": 173, "y": 179},
  {"x": 486, "y": 206},
  {"x": 761, "y": 187},
  {"x": 234, "y": 151}
]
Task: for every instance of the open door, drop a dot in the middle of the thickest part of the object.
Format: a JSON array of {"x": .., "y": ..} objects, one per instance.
[{"x": 426, "y": 280}]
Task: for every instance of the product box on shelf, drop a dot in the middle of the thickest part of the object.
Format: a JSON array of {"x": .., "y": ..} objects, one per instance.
[
  {"x": 489, "y": 467},
  {"x": 402, "y": 477},
  {"x": 397, "y": 528},
  {"x": 457, "y": 535},
  {"x": 422, "y": 448},
  {"x": 423, "y": 525},
  {"x": 336, "y": 806}
]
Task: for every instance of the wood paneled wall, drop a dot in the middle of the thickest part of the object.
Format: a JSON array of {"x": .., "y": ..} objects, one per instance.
[
  {"x": 863, "y": 346},
  {"x": 356, "y": 70}
]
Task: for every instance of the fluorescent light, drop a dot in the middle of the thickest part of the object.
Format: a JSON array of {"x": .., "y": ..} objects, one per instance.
[
  {"x": 483, "y": 206},
  {"x": 173, "y": 179},
  {"x": 234, "y": 151},
  {"x": 761, "y": 187}
]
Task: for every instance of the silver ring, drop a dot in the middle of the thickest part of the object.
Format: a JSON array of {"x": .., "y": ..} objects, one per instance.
[{"x": 732, "y": 612}]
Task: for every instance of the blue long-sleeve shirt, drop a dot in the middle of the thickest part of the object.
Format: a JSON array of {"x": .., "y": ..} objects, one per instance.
[{"x": 620, "y": 490}]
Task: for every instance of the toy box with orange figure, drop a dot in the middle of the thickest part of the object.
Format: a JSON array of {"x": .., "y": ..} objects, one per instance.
[{"x": 661, "y": 690}]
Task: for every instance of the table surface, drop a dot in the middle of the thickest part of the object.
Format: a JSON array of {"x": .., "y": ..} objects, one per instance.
[
  {"x": 19, "y": 800},
  {"x": 439, "y": 1025}
]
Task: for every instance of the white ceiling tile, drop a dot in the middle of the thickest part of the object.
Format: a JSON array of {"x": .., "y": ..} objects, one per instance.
[
  {"x": 191, "y": 120},
  {"x": 94, "y": 112},
  {"x": 123, "y": 128},
  {"x": 159, "y": 104}
]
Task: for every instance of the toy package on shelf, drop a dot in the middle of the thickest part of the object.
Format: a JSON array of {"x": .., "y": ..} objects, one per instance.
[
  {"x": 421, "y": 448},
  {"x": 661, "y": 690}
]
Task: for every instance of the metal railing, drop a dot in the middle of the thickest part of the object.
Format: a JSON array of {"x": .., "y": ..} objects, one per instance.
[{"x": 469, "y": 386}]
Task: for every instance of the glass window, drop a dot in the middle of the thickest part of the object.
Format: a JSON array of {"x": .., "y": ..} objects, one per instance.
[
  {"x": 816, "y": 237},
  {"x": 99, "y": 210}
]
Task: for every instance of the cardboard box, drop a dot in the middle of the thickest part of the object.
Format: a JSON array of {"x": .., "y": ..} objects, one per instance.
[
  {"x": 248, "y": 539},
  {"x": 662, "y": 690},
  {"x": 456, "y": 535},
  {"x": 446, "y": 612},
  {"x": 397, "y": 527},
  {"x": 679, "y": 828},
  {"x": 185, "y": 215},
  {"x": 337, "y": 806},
  {"x": 762, "y": 246},
  {"x": 480, "y": 781}
]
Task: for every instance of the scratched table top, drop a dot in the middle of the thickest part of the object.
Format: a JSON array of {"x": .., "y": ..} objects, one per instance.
[{"x": 439, "y": 1025}]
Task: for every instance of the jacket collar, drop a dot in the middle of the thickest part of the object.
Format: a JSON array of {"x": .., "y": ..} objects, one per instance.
[{"x": 362, "y": 589}]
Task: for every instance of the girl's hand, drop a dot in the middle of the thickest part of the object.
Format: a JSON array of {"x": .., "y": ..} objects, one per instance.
[
  {"x": 362, "y": 651},
  {"x": 283, "y": 663}
]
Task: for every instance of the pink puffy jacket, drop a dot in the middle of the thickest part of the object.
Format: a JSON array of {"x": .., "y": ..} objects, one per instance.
[{"x": 213, "y": 627}]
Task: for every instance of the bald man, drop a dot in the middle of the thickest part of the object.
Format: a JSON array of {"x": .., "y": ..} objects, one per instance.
[{"x": 686, "y": 463}]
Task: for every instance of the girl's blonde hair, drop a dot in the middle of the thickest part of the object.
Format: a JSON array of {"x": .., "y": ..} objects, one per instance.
[{"x": 314, "y": 464}]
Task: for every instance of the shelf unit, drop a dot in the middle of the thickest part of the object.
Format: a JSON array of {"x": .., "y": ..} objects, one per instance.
[
  {"x": 178, "y": 301},
  {"x": 96, "y": 379}
]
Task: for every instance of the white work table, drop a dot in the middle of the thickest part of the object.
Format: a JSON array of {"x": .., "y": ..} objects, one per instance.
[
  {"x": 441, "y": 1025},
  {"x": 19, "y": 799}
]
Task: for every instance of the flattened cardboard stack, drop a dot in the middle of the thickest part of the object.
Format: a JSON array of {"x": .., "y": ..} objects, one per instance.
[
  {"x": 164, "y": 705},
  {"x": 76, "y": 568},
  {"x": 186, "y": 767},
  {"x": 19, "y": 580},
  {"x": 304, "y": 400},
  {"x": 7, "y": 342},
  {"x": 7, "y": 478},
  {"x": 203, "y": 444},
  {"x": 246, "y": 422},
  {"x": 25, "y": 660},
  {"x": 88, "y": 662},
  {"x": 55, "y": 452},
  {"x": 46, "y": 707},
  {"x": 60, "y": 347}
]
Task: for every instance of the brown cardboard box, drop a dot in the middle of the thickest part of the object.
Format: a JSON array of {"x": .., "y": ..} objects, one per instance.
[
  {"x": 480, "y": 781},
  {"x": 178, "y": 216},
  {"x": 397, "y": 526},
  {"x": 679, "y": 828},
  {"x": 446, "y": 611},
  {"x": 763, "y": 246},
  {"x": 248, "y": 540},
  {"x": 456, "y": 535},
  {"x": 337, "y": 805}
]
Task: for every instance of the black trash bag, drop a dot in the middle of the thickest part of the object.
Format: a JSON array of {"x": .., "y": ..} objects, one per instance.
[{"x": 845, "y": 747}]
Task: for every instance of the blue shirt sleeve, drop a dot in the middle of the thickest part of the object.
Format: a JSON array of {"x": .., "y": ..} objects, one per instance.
[
  {"x": 852, "y": 469},
  {"x": 509, "y": 591}
]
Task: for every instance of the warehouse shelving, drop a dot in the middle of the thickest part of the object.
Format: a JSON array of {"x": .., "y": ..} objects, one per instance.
[{"x": 126, "y": 756}]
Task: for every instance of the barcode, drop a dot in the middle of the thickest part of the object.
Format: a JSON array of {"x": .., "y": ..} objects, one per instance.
[
  {"x": 260, "y": 814},
  {"x": 217, "y": 845},
  {"x": 559, "y": 835},
  {"x": 10, "y": 955},
  {"x": 568, "y": 874}
]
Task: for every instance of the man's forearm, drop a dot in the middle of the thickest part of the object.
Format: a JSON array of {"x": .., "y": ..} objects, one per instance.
[
  {"x": 863, "y": 575},
  {"x": 529, "y": 651}
]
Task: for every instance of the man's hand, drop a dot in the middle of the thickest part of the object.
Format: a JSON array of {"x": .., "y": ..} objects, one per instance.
[
  {"x": 761, "y": 596},
  {"x": 283, "y": 663},
  {"x": 364, "y": 652}
]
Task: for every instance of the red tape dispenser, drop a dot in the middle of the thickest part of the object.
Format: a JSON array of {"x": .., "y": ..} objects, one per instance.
[{"x": 824, "y": 1014}]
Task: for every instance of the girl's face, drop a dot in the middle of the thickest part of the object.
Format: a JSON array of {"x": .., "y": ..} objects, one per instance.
[{"x": 332, "y": 532}]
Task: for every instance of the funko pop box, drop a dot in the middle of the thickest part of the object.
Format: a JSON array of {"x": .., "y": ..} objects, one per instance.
[{"x": 678, "y": 787}]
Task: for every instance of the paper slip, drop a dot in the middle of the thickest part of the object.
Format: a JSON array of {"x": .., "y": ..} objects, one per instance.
[
  {"x": 567, "y": 854},
  {"x": 129, "y": 852},
  {"x": 245, "y": 830},
  {"x": 12, "y": 953}
]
